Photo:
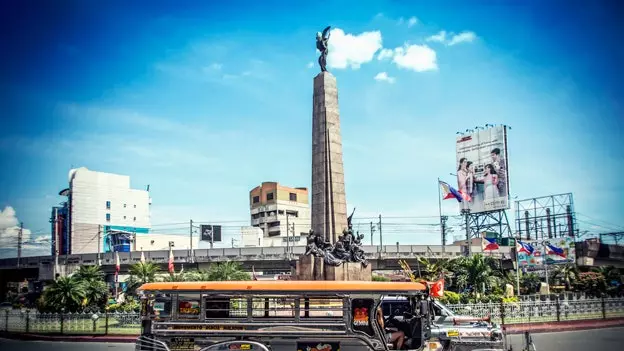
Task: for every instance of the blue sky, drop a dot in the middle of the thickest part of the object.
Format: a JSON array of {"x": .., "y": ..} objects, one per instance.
[{"x": 205, "y": 100}]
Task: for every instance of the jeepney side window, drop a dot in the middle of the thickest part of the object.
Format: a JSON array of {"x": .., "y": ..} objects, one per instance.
[
  {"x": 225, "y": 307},
  {"x": 161, "y": 306},
  {"x": 273, "y": 307},
  {"x": 321, "y": 307},
  {"x": 189, "y": 306}
]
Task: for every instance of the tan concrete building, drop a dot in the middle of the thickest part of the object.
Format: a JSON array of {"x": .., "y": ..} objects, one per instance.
[{"x": 283, "y": 213}]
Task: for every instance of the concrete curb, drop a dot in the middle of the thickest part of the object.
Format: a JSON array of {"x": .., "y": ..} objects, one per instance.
[
  {"x": 550, "y": 327},
  {"x": 509, "y": 328}
]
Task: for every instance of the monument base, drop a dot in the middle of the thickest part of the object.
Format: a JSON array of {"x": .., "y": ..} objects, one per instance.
[{"x": 314, "y": 268}]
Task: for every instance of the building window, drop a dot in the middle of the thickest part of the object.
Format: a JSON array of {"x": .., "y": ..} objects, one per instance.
[
  {"x": 292, "y": 213},
  {"x": 269, "y": 196},
  {"x": 124, "y": 205},
  {"x": 293, "y": 196},
  {"x": 108, "y": 205},
  {"x": 134, "y": 219},
  {"x": 124, "y": 217},
  {"x": 108, "y": 217},
  {"x": 256, "y": 199},
  {"x": 281, "y": 212},
  {"x": 134, "y": 206}
]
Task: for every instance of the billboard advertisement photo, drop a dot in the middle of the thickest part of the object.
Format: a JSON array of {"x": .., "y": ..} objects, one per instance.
[
  {"x": 482, "y": 176},
  {"x": 533, "y": 254},
  {"x": 210, "y": 233}
]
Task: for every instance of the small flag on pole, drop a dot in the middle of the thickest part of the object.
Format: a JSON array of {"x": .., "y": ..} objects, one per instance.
[
  {"x": 488, "y": 244},
  {"x": 142, "y": 257},
  {"x": 554, "y": 250},
  {"x": 170, "y": 266},
  {"x": 524, "y": 247},
  {"x": 437, "y": 288},
  {"x": 117, "y": 264},
  {"x": 448, "y": 192}
]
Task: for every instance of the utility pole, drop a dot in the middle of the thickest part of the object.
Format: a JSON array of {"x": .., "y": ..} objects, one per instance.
[
  {"x": 372, "y": 230},
  {"x": 287, "y": 241},
  {"x": 380, "y": 236},
  {"x": 191, "y": 237},
  {"x": 468, "y": 239},
  {"x": 19, "y": 243},
  {"x": 56, "y": 243},
  {"x": 99, "y": 256}
]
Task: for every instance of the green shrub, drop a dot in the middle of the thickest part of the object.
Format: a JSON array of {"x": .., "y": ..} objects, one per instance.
[
  {"x": 450, "y": 298},
  {"x": 380, "y": 278}
]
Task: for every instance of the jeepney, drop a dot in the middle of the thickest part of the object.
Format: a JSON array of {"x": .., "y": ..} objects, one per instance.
[{"x": 298, "y": 315}]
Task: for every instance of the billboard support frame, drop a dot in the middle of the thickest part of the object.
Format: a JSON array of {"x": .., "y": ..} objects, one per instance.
[
  {"x": 476, "y": 223},
  {"x": 546, "y": 217}
]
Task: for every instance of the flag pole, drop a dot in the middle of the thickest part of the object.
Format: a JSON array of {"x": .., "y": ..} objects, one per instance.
[
  {"x": 517, "y": 267},
  {"x": 440, "y": 211}
]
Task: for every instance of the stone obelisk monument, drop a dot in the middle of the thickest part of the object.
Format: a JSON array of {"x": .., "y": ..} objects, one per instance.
[{"x": 329, "y": 204}]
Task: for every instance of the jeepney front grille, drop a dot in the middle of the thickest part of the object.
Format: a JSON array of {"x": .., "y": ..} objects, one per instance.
[{"x": 145, "y": 343}]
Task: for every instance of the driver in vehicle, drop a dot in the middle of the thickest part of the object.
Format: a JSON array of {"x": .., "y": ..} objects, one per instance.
[{"x": 395, "y": 337}]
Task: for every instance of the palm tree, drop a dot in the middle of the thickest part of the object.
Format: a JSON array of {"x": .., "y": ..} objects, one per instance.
[
  {"x": 96, "y": 290},
  {"x": 140, "y": 273},
  {"x": 65, "y": 294},
  {"x": 226, "y": 271},
  {"x": 478, "y": 272},
  {"x": 144, "y": 272},
  {"x": 89, "y": 273}
]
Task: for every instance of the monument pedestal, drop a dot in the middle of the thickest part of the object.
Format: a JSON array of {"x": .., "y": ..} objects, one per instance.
[
  {"x": 314, "y": 268},
  {"x": 349, "y": 271},
  {"x": 309, "y": 268}
]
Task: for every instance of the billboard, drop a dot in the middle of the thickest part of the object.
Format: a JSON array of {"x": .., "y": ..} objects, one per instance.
[
  {"x": 549, "y": 251},
  {"x": 210, "y": 233},
  {"x": 482, "y": 175}
]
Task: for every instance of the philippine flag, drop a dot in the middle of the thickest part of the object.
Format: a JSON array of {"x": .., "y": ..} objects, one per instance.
[
  {"x": 448, "y": 192},
  {"x": 553, "y": 250},
  {"x": 524, "y": 247},
  {"x": 489, "y": 244}
]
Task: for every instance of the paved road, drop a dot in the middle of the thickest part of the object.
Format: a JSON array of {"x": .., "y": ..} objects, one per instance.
[{"x": 595, "y": 340}]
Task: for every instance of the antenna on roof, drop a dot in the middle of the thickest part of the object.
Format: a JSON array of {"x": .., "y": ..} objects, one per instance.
[{"x": 147, "y": 187}]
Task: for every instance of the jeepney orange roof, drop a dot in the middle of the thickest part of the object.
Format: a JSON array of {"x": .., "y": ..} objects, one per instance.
[{"x": 288, "y": 285}]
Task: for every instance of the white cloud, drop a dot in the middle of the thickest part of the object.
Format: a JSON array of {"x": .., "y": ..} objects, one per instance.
[
  {"x": 443, "y": 37},
  {"x": 385, "y": 54},
  {"x": 351, "y": 51},
  {"x": 9, "y": 232},
  {"x": 7, "y": 218},
  {"x": 383, "y": 77},
  {"x": 418, "y": 58},
  {"x": 412, "y": 22},
  {"x": 440, "y": 37},
  {"x": 463, "y": 37},
  {"x": 310, "y": 64}
]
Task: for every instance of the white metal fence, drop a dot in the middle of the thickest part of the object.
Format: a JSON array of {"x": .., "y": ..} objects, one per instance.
[
  {"x": 551, "y": 310},
  {"x": 19, "y": 321}
]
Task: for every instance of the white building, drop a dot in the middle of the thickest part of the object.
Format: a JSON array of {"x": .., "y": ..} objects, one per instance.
[
  {"x": 283, "y": 213},
  {"x": 103, "y": 202}
]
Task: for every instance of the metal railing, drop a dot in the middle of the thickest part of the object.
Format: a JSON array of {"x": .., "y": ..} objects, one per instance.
[
  {"x": 556, "y": 310},
  {"x": 551, "y": 310},
  {"x": 26, "y": 321}
]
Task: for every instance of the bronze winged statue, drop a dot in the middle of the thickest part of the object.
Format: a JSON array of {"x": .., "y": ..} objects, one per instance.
[{"x": 322, "y": 44}]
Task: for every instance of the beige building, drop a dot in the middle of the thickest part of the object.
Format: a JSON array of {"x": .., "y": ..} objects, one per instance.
[{"x": 283, "y": 213}]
